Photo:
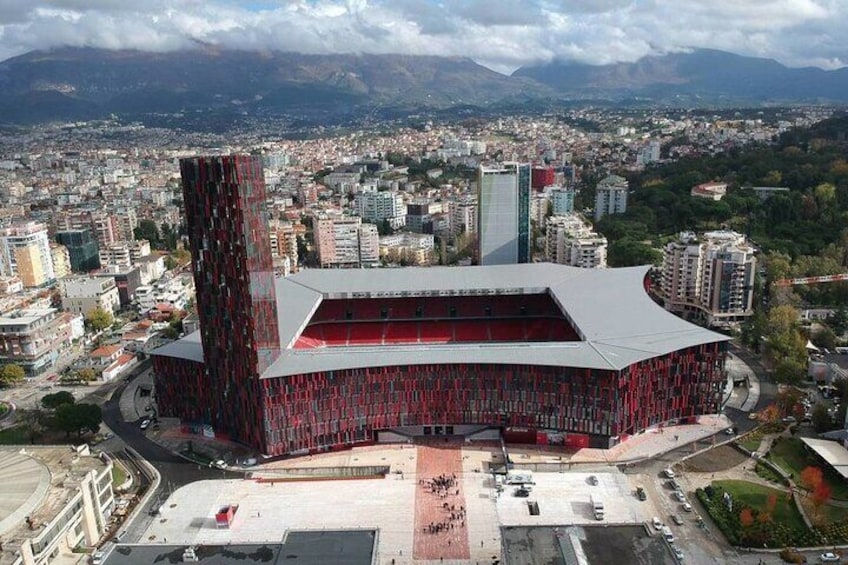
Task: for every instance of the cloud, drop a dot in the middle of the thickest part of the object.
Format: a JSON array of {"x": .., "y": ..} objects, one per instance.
[{"x": 502, "y": 34}]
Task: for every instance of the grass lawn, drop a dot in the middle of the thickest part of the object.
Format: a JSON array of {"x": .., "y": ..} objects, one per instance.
[
  {"x": 13, "y": 436},
  {"x": 755, "y": 496},
  {"x": 833, "y": 513},
  {"x": 119, "y": 476},
  {"x": 792, "y": 456},
  {"x": 751, "y": 441}
]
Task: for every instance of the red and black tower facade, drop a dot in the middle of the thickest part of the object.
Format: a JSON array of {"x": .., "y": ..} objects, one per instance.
[{"x": 234, "y": 281}]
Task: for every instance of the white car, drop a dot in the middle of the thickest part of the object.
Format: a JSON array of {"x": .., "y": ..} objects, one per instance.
[
  {"x": 669, "y": 473},
  {"x": 145, "y": 424},
  {"x": 97, "y": 558},
  {"x": 678, "y": 494},
  {"x": 657, "y": 524},
  {"x": 687, "y": 507},
  {"x": 829, "y": 557}
]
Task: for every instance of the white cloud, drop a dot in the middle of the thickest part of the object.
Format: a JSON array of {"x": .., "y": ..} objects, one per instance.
[{"x": 502, "y": 34}]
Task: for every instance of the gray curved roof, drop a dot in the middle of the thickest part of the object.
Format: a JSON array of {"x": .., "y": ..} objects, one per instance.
[{"x": 618, "y": 323}]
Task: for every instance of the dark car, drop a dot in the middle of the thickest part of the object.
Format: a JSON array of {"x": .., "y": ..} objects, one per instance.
[
  {"x": 521, "y": 492},
  {"x": 640, "y": 494}
]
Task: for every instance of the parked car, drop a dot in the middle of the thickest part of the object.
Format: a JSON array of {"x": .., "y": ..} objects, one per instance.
[
  {"x": 678, "y": 494},
  {"x": 640, "y": 494},
  {"x": 669, "y": 473},
  {"x": 593, "y": 480},
  {"x": 677, "y": 519},
  {"x": 145, "y": 424},
  {"x": 521, "y": 492},
  {"x": 687, "y": 507},
  {"x": 677, "y": 553},
  {"x": 657, "y": 524},
  {"x": 97, "y": 558},
  {"x": 730, "y": 431},
  {"x": 829, "y": 557}
]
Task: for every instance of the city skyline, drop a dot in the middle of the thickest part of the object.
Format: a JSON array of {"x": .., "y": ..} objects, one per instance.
[{"x": 500, "y": 35}]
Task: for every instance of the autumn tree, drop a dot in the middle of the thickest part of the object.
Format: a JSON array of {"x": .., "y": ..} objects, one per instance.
[
  {"x": 821, "y": 495},
  {"x": 746, "y": 517},
  {"x": 812, "y": 478}
]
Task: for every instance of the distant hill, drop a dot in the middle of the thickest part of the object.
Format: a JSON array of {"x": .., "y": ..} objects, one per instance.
[
  {"x": 207, "y": 85},
  {"x": 700, "y": 77},
  {"x": 75, "y": 83}
]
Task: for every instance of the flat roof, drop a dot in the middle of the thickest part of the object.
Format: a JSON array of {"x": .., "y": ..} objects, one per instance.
[
  {"x": 832, "y": 452},
  {"x": 616, "y": 320},
  {"x": 340, "y": 547}
]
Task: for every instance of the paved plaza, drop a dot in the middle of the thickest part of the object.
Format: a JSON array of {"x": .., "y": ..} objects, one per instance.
[{"x": 446, "y": 485}]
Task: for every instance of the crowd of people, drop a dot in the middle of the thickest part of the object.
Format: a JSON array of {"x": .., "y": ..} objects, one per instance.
[{"x": 445, "y": 487}]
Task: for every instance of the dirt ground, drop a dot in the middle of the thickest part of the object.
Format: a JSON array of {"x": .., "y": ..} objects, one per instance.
[{"x": 718, "y": 459}]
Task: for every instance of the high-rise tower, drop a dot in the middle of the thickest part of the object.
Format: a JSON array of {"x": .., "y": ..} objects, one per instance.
[
  {"x": 503, "y": 216},
  {"x": 234, "y": 280}
]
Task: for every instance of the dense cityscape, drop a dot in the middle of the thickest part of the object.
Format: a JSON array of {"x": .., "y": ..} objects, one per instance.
[{"x": 371, "y": 330}]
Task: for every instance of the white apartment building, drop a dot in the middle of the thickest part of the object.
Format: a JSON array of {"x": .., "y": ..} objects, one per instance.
[
  {"x": 569, "y": 241},
  {"x": 119, "y": 254},
  {"x": 25, "y": 253},
  {"x": 712, "y": 276},
  {"x": 61, "y": 259},
  {"x": 376, "y": 207},
  {"x": 175, "y": 291},
  {"x": 562, "y": 199},
  {"x": 69, "y": 505},
  {"x": 346, "y": 242},
  {"x": 611, "y": 196},
  {"x": 463, "y": 218},
  {"x": 82, "y": 295}
]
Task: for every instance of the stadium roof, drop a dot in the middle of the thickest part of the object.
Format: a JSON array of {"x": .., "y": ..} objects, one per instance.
[{"x": 618, "y": 323}]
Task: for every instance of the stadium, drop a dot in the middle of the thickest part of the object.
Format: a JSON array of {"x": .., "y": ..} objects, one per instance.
[
  {"x": 327, "y": 359},
  {"x": 551, "y": 354}
]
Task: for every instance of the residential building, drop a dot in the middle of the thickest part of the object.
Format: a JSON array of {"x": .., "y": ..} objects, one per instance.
[
  {"x": 611, "y": 196},
  {"x": 117, "y": 255},
  {"x": 463, "y": 218},
  {"x": 562, "y": 199},
  {"x": 419, "y": 215},
  {"x": 341, "y": 242},
  {"x": 68, "y": 502},
  {"x": 82, "y": 295},
  {"x": 503, "y": 219},
  {"x": 176, "y": 292},
  {"x": 25, "y": 253},
  {"x": 569, "y": 241},
  {"x": 283, "y": 239},
  {"x": 542, "y": 177},
  {"x": 407, "y": 248},
  {"x": 82, "y": 249},
  {"x": 61, "y": 260},
  {"x": 127, "y": 280},
  {"x": 710, "y": 277},
  {"x": 377, "y": 207},
  {"x": 34, "y": 338},
  {"x": 138, "y": 249}
]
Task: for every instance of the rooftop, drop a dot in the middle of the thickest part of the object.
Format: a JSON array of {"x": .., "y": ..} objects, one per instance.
[
  {"x": 832, "y": 452},
  {"x": 617, "y": 322}
]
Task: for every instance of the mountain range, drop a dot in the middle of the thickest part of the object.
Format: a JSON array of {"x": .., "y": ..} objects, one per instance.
[{"x": 82, "y": 83}]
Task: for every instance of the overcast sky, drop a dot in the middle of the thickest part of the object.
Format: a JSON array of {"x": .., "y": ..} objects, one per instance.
[{"x": 501, "y": 34}]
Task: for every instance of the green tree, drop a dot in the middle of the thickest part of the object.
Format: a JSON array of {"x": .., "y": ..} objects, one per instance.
[
  {"x": 147, "y": 230},
  {"x": 99, "y": 319},
  {"x": 32, "y": 421},
  {"x": 822, "y": 421},
  {"x": 11, "y": 374},
  {"x": 788, "y": 371},
  {"x": 53, "y": 401},
  {"x": 627, "y": 253},
  {"x": 78, "y": 418}
]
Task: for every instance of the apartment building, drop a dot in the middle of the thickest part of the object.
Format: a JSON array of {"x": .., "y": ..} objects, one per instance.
[
  {"x": 81, "y": 295},
  {"x": 569, "y": 241},
  {"x": 710, "y": 277},
  {"x": 25, "y": 253},
  {"x": 346, "y": 242},
  {"x": 611, "y": 196},
  {"x": 377, "y": 207},
  {"x": 34, "y": 337}
]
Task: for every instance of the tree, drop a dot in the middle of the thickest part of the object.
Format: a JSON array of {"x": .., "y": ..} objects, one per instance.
[
  {"x": 811, "y": 478},
  {"x": 821, "y": 495},
  {"x": 33, "y": 422},
  {"x": 86, "y": 374},
  {"x": 53, "y": 401},
  {"x": 147, "y": 230},
  {"x": 746, "y": 517},
  {"x": 99, "y": 319},
  {"x": 11, "y": 374},
  {"x": 78, "y": 418},
  {"x": 788, "y": 371},
  {"x": 821, "y": 419}
]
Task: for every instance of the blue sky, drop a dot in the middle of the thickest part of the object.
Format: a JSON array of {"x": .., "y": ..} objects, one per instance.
[{"x": 501, "y": 34}]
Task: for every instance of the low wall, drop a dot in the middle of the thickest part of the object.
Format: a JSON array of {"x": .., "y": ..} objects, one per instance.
[{"x": 325, "y": 472}]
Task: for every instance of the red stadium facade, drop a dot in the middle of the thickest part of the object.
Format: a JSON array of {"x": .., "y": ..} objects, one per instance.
[{"x": 546, "y": 353}]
